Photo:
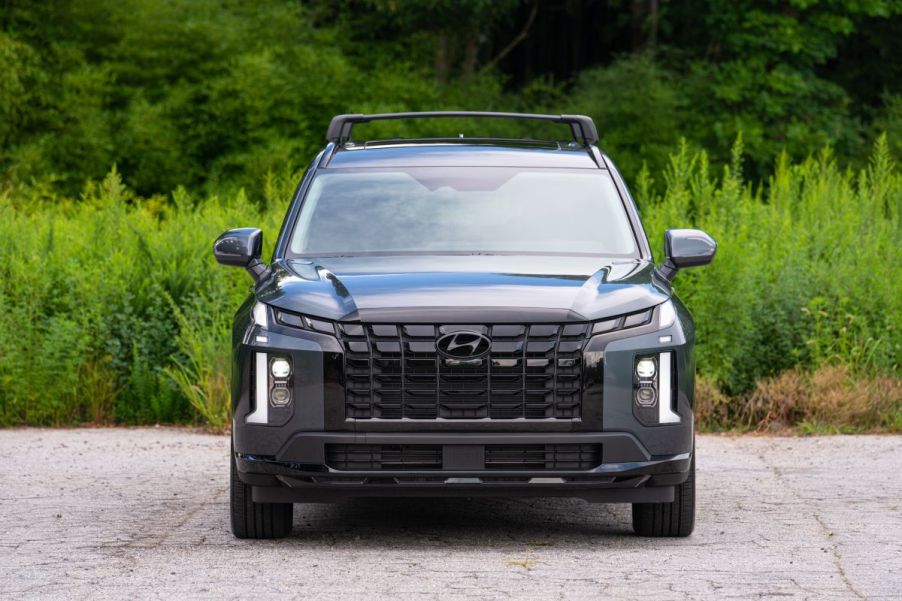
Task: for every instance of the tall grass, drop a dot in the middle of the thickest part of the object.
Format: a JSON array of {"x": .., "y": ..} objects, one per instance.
[
  {"x": 106, "y": 300},
  {"x": 112, "y": 309},
  {"x": 807, "y": 270}
]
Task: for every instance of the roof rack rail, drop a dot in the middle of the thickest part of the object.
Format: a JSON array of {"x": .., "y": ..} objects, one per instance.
[{"x": 581, "y": 127}]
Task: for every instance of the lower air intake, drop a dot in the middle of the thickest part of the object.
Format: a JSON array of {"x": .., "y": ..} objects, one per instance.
[
  {"x": 363, "y": 457},
  {"x": 543, "y": 457}
]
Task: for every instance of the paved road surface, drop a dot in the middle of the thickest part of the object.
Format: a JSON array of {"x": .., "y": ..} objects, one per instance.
[{"x": 142, "y": 513}]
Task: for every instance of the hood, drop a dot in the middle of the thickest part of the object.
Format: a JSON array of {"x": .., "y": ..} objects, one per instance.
[{"x": 462, "y": 289}]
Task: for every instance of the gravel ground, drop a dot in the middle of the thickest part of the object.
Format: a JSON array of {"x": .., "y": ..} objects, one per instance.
[{"x": 143, "y": 513}]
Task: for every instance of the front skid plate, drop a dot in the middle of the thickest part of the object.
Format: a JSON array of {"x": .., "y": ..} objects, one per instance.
[{"x": 585, "y": 491}]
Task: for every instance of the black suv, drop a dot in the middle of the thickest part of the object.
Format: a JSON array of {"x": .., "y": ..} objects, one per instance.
[{"x": 462, "y": 317}]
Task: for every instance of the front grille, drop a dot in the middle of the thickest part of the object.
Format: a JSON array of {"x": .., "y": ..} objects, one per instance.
[
  {"x": 354, "y": 457},
  {"x": 531, "y": 372},
  {"x": 543, "y": 456}
]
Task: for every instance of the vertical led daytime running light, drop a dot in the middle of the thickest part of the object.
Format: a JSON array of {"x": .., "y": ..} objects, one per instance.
[
  {"x": 260, "y": 414},
  {"x": 666, "y": 414},
  {"x": 653, "y": 389}
]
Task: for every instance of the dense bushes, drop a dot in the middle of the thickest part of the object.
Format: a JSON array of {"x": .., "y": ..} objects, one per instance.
[
  {"x": 806, "y": 276},
  {"x": 200, "y": 94},
  {"x": 214, "y": 94},
  {"x": 100, "y": 297},
  {"x": 114, "y": 310},
  {"x": 806, "y": 273}
]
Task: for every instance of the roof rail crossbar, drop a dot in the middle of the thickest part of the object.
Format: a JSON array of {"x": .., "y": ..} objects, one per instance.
[{"x": 582, "y": 128}]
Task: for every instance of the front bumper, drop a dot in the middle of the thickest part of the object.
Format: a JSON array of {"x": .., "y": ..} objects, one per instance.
[
  {"x": 285, "y": 458},
  {"x": 300, "y": 472}
]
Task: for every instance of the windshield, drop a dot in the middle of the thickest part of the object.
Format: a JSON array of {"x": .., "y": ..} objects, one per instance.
[{"x": 463, "y": 210}]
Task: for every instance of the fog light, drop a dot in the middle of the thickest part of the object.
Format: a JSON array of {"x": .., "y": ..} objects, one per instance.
[
  {"x": 646, "y": 396},
  {"x": 280, "y": 396},
  {"x": 645, "y": 368},
  {"x": 280, "y": 368}
]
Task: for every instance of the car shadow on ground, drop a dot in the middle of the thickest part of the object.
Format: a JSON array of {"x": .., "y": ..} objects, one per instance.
[{"x": 423, "y": 523}]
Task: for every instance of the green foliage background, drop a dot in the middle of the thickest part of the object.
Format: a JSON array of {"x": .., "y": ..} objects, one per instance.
[
  {"x": 132, "y": 132},
  {"x": 215, "y": 94}
]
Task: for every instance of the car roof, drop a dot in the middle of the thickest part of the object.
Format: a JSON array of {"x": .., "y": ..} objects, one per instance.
[{"x": 459, "y": 154}]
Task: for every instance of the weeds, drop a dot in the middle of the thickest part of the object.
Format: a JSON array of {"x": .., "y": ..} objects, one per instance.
[
  {"x": 115, "y": 311},
  {"x": 829, "y": 400},
  {"x": 201, "y": 369}
]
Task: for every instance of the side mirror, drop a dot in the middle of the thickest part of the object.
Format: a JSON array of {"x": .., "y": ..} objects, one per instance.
[
  {"x": 686, "y": 248},
  {"x": 241, "y": 247}
]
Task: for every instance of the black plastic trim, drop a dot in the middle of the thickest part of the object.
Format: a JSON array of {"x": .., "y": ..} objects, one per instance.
[
  {"x": 646, "y": 481},
  {"x": 586, "y": 491}
]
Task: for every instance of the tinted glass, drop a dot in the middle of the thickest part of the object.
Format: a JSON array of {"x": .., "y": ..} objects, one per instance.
[{"x": 448, "y": 209}]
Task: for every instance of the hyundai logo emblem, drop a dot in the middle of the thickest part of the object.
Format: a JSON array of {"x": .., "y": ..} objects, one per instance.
[{"x": 465, "y": 344}]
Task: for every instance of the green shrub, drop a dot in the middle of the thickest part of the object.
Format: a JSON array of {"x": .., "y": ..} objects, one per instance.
[
  {"x": 201, "y": 368},
  {"x": 115, "y": 311},
  {"x": 88, "y": 288},
  {"x": 805, "y": 271}
]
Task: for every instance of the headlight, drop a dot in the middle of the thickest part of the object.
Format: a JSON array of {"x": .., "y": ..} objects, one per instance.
[
  {"x": 654, "y": 390},
  {"x": 271, "y": 395},
  {"x": 645, "y": 368},
  {"x": 280, "y": 368},
  {"x": 260, "y": 316},
  {"x": 667, "y": 314}
]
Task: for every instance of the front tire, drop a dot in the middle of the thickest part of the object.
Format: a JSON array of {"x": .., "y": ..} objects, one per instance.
[
  {"x": 676, "y": 519},
  {"x": 256, "y": 520}
]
